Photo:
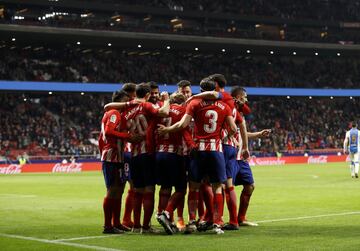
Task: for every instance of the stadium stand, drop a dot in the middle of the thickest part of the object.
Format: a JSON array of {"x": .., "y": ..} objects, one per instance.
[{"x": 74, "y": 64}]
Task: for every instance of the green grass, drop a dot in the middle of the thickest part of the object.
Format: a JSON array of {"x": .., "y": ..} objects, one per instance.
[{"x": 61, "y": 206}]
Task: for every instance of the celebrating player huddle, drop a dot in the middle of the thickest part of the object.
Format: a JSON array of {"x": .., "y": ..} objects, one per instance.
[{"x": 181, "y": 141}]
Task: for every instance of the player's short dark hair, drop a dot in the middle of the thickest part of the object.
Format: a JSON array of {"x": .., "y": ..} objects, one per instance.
[
  {"x": 177, "y": 98},
  {"x": 183, "y": 83},
  {"x": 354, "y": 124},
  {"x": 142, "y": 89},
  {"x": 129, "y": 87},
  {"x": 236, "y": 90},
  {"x": 119, "y": 96},
  {"x": 219, "y": 79},
  {"x": 153, "y": 85},
  {"x": 207, "y": 84}
]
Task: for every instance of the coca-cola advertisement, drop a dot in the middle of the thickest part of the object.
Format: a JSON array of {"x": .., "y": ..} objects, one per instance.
[
  {"x": 11, "y": 169},
  {"x": 67, "y": 168}
]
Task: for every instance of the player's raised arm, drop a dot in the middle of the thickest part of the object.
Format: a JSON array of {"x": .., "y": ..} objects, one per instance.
[
  {"x": 121, "y": 105},
  {"x": 208, "y": 95},
  {"x": 164, "y": 110}
]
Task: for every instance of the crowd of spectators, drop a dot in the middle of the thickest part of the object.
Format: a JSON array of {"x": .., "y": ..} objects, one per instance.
[
  {"x": 342, "y": 10},
  {"x": 69, "y": 124},
  {"x": 50, "y": 125},
  {"x": 71, "y": 64}
]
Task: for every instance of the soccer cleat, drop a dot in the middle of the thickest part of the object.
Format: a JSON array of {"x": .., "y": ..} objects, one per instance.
[
  {"x": 128, "y": 224},
  {"x": 204, "y": 226},
  {"x": 180, "y": 224},
  {"x": 190, "y": 228},
  {"x": 216, "y": 229},
  {"x": 165, "y": 222},
  {"x": 356, "y": 175},
  {"x": 149, "y": 230},
  {"x": 248, "y": 224},
  {"x": 136, "y": 230},
  {"x": 123, "y": 228},
  {"x": 230, "y": 227},
  {"x": 174, "y": 228},
  {"x": 112, "y": 230}
]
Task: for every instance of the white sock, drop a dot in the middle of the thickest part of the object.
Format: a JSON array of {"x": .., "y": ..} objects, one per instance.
[
  {"x": 356, "y": 167},
  {"x": 352, "y": 170}
]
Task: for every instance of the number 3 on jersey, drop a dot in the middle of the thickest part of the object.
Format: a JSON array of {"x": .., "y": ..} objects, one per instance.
[{"x": 213, "y": 117}]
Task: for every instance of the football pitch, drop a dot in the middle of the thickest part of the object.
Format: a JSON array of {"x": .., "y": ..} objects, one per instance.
[{"x": 298, "y": 207}]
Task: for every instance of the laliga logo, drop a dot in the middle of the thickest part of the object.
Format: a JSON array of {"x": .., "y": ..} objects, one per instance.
[
  {"x": 318, "y": 160},
  {"x": 67, "y": 168},
  {"x": 12, "y": 169}
]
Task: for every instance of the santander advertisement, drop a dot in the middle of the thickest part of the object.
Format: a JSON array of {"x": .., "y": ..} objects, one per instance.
[{"x": 96, "y": 166}]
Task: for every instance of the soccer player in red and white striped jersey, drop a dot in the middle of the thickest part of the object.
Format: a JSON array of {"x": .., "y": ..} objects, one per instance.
[
  {"x": 111, "y": 142},
  {"x": 142, "y": 164},
  {"x": 209, "y": 117}
]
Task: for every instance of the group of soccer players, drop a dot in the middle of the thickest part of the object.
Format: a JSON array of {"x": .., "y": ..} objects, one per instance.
[{"x": 190, "y": 143}]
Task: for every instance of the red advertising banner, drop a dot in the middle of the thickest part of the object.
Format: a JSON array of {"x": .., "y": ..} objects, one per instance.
[
  {"x": 96, "y": 166},
  {"x": 50, "y": 168}
]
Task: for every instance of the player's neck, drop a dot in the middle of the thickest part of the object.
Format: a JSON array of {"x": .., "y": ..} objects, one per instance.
[{"x": 142, "y": 100}]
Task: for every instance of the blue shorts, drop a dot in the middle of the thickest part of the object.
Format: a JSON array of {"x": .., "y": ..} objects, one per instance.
[
  {"x": 143, "y": 170},
  {"x": 127, "y": 160},
  {"x": 170, "y": 170},
  {"x": 230, "y": 160},
  {"x": 112, "y": 172},
  {"x": 243, "y": 174},
  {"x": 207, "y": 164}
]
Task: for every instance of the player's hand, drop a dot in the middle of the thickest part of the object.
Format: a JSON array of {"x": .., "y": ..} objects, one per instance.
[
  {"x": 245, "y": 154},
  {"x": 136, "y": 138},
  {"x": 265, "y": 133},
  {"x": 164, "y": 96},
  {"x": 346, "y": 151},
  {"x": 162, "y": 130}
]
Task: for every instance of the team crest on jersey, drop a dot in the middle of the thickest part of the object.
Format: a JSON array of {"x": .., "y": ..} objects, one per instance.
[{"x": 113, "y": 118}]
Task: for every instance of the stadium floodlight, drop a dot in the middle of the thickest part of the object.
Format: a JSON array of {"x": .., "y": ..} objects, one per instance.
[
  {"x": 223, "y": 50},
  {"x": 310, "y": 97},
  {"x": 82, "y": 93},
  {"x": 331, "y": 97},
  {"x": 338, "y": 54},
  {"x": 78, "y": 43},
  {"x": 139, "y": 45},
  {"x": 109, "y": 44},
  {"x": 288, "y": 97},
  {"x": 248, "y": 51},
  {"x": 13, "y": 39},
  {"x": 50, "y": 93},
  {"x": 168, "y": 47},
  {"x": 196, "y": 48},
  {"x": 351, "y": 97},
  {"x": 294, "y": 53},
  {"x": 316, "y": 54},
  {"x": 25, "y": 99},
  {"x": 271, "y": 52}
]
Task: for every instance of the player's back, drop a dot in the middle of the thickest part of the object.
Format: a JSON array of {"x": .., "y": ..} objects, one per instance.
[
  {"x": 137, "y": 121},
  {"x": 209, "y": 117},
  {"x": 171, "y": 142},
  {"x": 354, "y": 136}
]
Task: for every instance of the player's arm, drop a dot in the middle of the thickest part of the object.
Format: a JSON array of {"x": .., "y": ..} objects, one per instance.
[
  {"x": 208, "y": 95},
  {"x": 189, "y": 141},
  {"x": 178, "y": 126},
  {"x": 245, "y": 140},
  {"x": 120, "y": 105},
  {"x": 164, "y": 110},
  {"x": 261, "y": 134},
  {"x": 346, "y": 143},
  {"x": 110, "y": 127}
]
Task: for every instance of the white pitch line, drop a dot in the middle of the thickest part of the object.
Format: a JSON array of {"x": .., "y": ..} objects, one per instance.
[
  {"x": 60, "y": 243},
  {"x": 13, "y": 195},
  {"x": 87, "y": 237},
  {"x": 308, "y": 217}
]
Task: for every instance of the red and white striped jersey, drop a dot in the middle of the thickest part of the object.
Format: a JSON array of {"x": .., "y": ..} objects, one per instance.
[
  {"x": 209, "y": 117},
  {"x": 111, "y": 147},
  {"x": 238, "y": 121},
  {"x": 127, "y": 148},
  {"x": 137, "y": 121},
  {"x": 171, "y": 142}
]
